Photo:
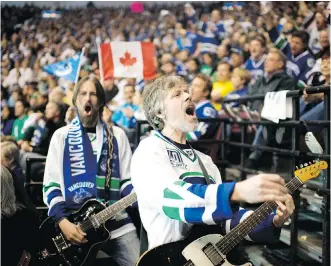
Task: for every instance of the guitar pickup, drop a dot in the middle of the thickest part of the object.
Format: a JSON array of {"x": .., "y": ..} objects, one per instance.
[{"x": 213, "y": 255}]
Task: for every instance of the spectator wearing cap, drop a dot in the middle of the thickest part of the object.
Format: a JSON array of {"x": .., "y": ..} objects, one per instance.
[
  {"x": 237, "y": 57},
  {"x": 255, "y": 64},
  {"x": 223, "y": 86},
  {"x": 21, "y": 109}
]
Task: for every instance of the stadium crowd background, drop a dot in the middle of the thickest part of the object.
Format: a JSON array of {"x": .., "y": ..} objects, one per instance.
[{"x": 218, "y": 47}]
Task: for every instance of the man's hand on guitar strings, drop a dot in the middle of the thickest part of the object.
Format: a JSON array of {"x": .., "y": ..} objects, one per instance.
[{"x": 72, "y": 232}]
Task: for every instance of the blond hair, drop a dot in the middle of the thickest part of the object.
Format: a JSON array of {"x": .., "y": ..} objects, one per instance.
[
  {"x": 10, "y": 154},
  {"x": 242, "y": 74},
  {"x": 154, "y": 95}
]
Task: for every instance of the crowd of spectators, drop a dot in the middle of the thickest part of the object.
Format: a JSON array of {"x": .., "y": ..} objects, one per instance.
[{"x": 223, "y": 50}]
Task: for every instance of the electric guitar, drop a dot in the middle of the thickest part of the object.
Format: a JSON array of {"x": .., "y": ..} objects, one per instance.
[
  {"x": 91, "y": 218},
  {"x": 199, "y": 249}
]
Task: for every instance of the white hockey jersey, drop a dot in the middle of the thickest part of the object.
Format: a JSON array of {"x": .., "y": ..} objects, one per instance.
[{"x": 173, "y": 195}]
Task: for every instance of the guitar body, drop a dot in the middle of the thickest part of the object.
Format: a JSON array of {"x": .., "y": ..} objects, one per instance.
[
  {"x": 188, "y": 251},
  {"x": 57, "y": 250}
]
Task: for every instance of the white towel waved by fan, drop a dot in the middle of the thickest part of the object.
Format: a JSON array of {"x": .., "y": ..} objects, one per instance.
[{"x": 277, "y": 106}]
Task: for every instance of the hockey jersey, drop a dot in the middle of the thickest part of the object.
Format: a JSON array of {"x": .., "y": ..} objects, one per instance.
[
  {"x": 255, "y": 68},
  {"x": 204, "y": 109},
  {"x": 189, "y": 42},
  {"x": 297, "y": 67},
  {"x": 173, "y": 195}
]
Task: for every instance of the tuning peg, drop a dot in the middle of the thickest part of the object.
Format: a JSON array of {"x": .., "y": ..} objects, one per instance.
[
  {"x": 305, "y": 164},
  {"x": 296, "y": 167},
  {"x": 301, "y": 165},
  {"x": 309, "y": 162},
  {"x": 314, "y": 161}
]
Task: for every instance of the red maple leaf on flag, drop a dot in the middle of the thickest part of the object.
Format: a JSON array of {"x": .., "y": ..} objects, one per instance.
[{"x": 127, "y": 60}]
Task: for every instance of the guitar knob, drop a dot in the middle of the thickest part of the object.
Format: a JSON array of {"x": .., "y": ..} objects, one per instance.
[
  {"x": 80, "y": 250},
  {"x": 75, "y": 258}
]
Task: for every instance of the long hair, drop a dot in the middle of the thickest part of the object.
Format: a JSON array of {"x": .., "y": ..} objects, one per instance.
[
  {"x": 102, "y": 102},
  {"x": 8, "y": 198},
  {"x": 99, "y": 90}
]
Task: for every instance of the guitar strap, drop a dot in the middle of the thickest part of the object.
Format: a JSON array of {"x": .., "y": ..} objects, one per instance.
[
  {"x": 204, "y": 171},
  {"x": 203, "y": 168}
]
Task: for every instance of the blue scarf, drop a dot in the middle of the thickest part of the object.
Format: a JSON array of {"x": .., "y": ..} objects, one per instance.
[{"x": 80, "y": 165}]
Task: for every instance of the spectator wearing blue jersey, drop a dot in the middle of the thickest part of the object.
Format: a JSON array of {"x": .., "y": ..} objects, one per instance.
[
  {"x": 255, "y": 64},
  {"x": 200, "y": 91},
  {"x": 299, "y": 59},
  {"x": 240, "y": 80},
  {"x": 124, "y": 116},
  {"x": 187, "y": 40}
]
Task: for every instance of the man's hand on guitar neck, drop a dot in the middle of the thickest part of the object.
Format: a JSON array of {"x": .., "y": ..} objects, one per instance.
[
  {"x": 283, "y": 212},
  {"x": 260, "y": 188},
  {"x": 72, "y": 232}
]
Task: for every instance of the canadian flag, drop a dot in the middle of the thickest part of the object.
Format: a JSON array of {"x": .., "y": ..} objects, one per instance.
[{"x": 127, "y": 60}]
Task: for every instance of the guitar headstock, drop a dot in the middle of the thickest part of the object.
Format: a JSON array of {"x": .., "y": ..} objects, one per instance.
[{"x": 310, "y": 170}]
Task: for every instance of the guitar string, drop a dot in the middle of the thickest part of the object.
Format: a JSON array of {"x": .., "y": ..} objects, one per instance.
[
  {"x": 213, "y": 254},
  {"x": 105, "y": 214},
  {"x": 248, "y": 224}
]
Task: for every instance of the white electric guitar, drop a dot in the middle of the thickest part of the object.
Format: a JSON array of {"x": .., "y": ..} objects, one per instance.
[{"x": 200, "y": 248}]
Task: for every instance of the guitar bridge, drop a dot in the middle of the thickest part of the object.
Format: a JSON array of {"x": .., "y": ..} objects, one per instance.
[{"x": 60, "y": 243}]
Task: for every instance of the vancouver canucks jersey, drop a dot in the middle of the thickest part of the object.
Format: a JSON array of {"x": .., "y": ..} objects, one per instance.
[
  {"x": 204, "y": 109},
  {"x": 172, "y": 192},
  {"x": 256, "y": 68},
  {"x": 297, "y": 66}
]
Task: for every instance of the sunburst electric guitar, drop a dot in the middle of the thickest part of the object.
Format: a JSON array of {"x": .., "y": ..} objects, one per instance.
[{"x": 199, "y": 249}]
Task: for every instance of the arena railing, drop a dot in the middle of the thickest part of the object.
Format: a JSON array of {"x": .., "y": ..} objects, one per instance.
[{"x": 295, "y": 124}]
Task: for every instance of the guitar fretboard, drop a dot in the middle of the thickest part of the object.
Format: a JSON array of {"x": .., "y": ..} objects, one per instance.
[
  {"x": 109, "y": 212},
  {"x": 118, "y": 206},
  {"x": 229, "y": 241}
]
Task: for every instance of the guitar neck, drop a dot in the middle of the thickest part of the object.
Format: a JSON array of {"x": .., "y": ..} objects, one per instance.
[
  {"x": 118, "y": 206},
  {"x": 244, "y": 228}
]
